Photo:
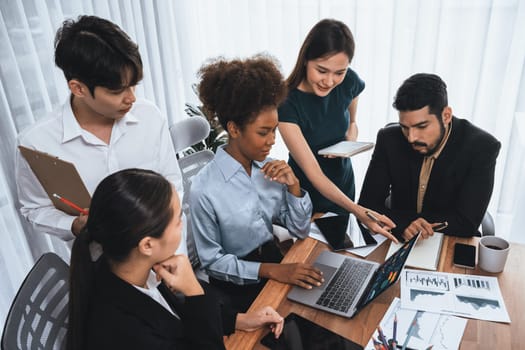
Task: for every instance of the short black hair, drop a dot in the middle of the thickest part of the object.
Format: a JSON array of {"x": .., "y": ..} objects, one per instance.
[
  {"x": 422, "y": 90},
  {"x": 97, "y": 52}
]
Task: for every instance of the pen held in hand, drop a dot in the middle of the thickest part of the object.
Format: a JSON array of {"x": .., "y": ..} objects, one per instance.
[
  {"x": 71, "y": 204},
  {"x": 375, "y": 219}
]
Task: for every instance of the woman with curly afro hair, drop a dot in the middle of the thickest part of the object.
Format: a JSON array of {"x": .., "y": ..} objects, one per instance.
[{"x": 235, "y": 199}]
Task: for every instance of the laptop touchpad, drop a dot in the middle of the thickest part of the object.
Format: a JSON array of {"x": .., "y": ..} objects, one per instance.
[{"x": 327, "y": 271}]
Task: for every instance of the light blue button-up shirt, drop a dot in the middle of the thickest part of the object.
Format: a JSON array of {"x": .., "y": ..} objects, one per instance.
[{"x": 232, "y": 214}]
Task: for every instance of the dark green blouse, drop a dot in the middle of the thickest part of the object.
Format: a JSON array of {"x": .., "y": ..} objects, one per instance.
[{"x": 323, "y": 122}]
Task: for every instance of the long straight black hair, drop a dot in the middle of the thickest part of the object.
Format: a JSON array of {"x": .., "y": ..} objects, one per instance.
[
  {"x": 328, "y": 37},
  {"x": 126, "y": 207}
]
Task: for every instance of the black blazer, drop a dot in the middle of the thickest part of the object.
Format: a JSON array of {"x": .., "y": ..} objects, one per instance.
[
  {"x": 122, "y": 317},
  {"x": 459, "y": 186}
]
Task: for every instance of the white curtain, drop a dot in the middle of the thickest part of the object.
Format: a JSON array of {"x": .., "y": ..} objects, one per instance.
[{"x": 476, "y": 46}]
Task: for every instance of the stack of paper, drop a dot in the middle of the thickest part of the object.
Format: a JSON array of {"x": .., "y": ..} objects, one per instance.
[
  {"x": 420, "y": 329},
  {"x": 470, "y": 296}
]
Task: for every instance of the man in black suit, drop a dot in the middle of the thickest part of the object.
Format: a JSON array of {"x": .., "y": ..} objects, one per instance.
[{"x": 433, "y": 166}]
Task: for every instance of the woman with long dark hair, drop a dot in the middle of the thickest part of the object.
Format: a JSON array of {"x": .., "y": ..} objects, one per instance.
[
  {"x": 320, "y": 111},
  {"x": 134, "y": 227}
]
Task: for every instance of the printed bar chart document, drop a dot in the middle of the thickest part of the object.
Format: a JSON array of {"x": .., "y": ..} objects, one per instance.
[
  {"x": 346, "y": 148},
  {"x": 423, "y": 329},
  {"x": 469, "y": 296}
]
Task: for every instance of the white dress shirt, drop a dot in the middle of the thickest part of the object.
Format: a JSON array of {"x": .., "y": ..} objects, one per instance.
[
  {"x": 139, "y": 140},
  {"x": 232, "y": 214}
]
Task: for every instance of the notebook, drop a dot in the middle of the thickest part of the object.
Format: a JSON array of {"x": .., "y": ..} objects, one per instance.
[
  {"x": 58, "y": 177},
  {"x": 351, "y": 283},
  {"x": 425, "y": 254},
  {"x": 346, "y": 148},
  {"x": 344, "y": 232}
]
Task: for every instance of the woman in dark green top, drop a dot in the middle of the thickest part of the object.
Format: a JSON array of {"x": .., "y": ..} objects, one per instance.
[{"x": 320, "y": 111}]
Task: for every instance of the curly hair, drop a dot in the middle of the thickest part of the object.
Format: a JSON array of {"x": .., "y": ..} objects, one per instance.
[{"x": 238, "y": 90}]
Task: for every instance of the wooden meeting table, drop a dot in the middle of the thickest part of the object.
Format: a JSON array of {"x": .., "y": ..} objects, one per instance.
[{"x": 478, "y": 334}]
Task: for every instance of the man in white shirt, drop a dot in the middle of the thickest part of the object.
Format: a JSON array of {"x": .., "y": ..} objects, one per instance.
[{"x": 102, "y": 127}]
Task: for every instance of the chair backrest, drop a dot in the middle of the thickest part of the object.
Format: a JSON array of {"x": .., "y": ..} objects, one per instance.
[
  {"x": 184, "y": 134},
  {"x": 190, "y": 166},
  {"x": 188, "y": 132},
  {"x": 38, "y": 317},
  {"x": 487, "y": 225}
]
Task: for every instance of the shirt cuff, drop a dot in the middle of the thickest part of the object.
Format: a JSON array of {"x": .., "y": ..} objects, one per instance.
[
  {"x": 303, "y": 202},
  {"x": 64, "y": 225}
]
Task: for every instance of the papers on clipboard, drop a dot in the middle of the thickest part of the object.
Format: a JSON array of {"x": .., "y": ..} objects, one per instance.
[
  {"x": 58, "y": 177},
  {"x": 346, "y": 148}
]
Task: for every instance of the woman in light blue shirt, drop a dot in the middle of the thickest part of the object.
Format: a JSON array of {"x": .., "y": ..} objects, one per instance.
[{"x": 237, "y": 197}]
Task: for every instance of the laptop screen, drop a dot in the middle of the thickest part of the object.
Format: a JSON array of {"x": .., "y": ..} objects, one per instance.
[{"x": 388, "y": 272}]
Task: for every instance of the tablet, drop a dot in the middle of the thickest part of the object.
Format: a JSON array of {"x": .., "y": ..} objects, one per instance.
[
  {"x": 344, "y": 232},
  {"x": 58, "y": 177},
  {"x": 302, "y": 334},
  {"x": 346, "y": 148}
]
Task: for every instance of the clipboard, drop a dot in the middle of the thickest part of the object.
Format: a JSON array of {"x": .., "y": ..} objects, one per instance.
[{"x": 60, "y": 177}]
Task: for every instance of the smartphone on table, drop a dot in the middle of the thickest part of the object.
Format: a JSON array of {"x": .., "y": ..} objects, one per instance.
[{"x": 465, "y": 255}]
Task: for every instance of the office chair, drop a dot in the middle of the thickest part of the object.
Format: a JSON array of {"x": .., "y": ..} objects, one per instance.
[
  {"x": 38, "y": 317},
  {"x": 184, "y": 134},
  {"x": 487, "y": 225},
  {"x": 189, "y": 132}
]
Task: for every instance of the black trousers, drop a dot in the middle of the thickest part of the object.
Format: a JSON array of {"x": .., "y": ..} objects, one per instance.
[{"x": 240, "y": 297}]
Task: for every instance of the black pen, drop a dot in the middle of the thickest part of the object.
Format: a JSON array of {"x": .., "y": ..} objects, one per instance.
[{"x": 376, "y": 220}]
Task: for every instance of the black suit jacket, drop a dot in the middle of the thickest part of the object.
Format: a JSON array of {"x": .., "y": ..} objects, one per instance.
[
  {"x": 122, "y": 317},
  {"x": 459, "y": 187}
]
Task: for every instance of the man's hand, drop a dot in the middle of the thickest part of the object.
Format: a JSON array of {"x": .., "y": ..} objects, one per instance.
[
  {"x": 300, "y": 274},
  {"x": 416, "y": 226},
  {"x": 78, "y": 224}
]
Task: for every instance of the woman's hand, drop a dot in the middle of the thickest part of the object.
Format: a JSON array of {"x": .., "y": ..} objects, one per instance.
[
  {"x": 279, "y": 171},
  {"x": 176, "y": 272},
  {"x": 300, "y": 274},
  {"x": 266, "y": 316},
  {"x": 376, "y": 223}
]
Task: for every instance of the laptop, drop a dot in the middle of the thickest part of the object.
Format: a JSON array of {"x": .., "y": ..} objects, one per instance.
[
  {"x": 351, "y": 283},
  {"x": 344, "y": 232}
]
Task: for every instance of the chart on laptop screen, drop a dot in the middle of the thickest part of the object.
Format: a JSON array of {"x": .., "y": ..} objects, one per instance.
[{"x": 387, "y": 274}]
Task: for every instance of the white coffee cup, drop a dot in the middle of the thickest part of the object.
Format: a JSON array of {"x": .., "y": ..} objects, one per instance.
[{"x": 493, "y": 252}]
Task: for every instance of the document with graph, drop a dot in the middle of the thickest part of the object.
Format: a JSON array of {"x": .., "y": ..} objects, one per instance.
[
  {"x": 419, "y": 329},
  {"x": 469, "y": 296}
]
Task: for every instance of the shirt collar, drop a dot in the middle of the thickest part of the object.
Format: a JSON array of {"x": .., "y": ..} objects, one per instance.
[
  {"x": 72, "y": 129},
  {"x": 229, "y": 165},
  {"x": 70, "y": 126}
]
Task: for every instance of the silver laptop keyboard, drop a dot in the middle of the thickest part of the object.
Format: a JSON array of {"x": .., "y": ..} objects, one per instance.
[{"x": 343, "y": 288}]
